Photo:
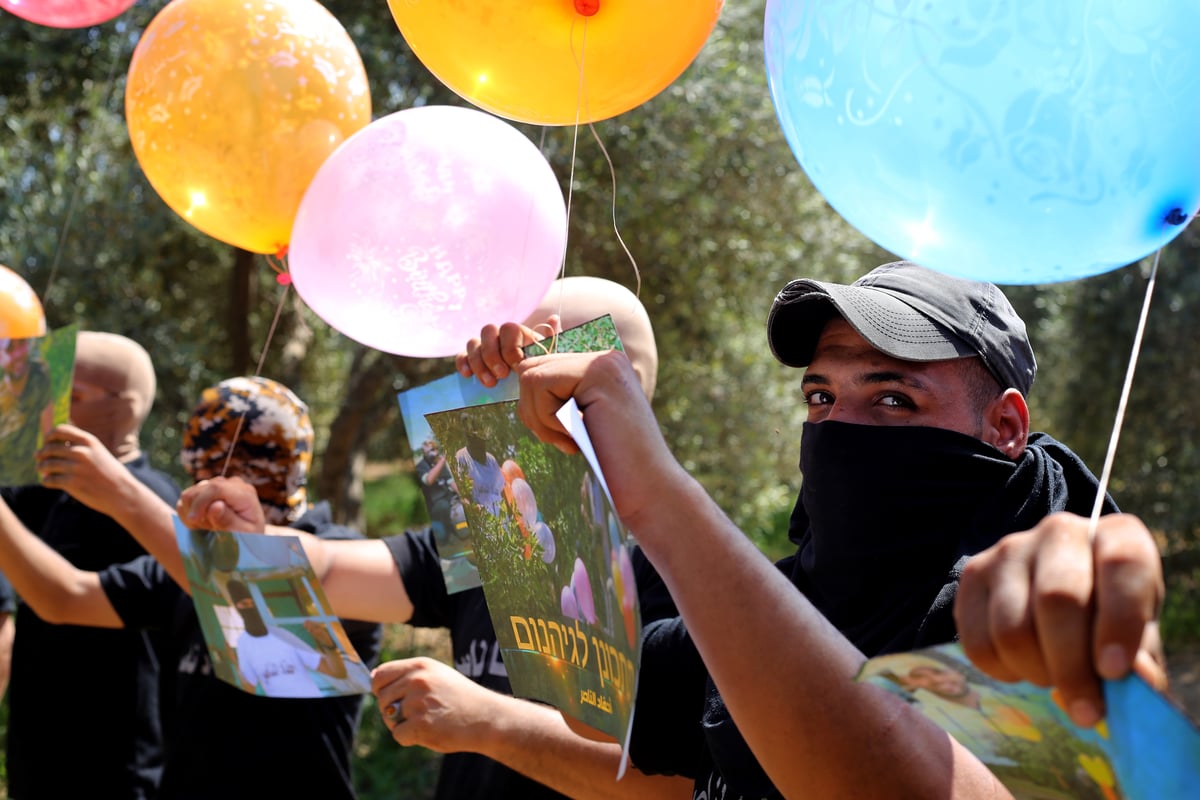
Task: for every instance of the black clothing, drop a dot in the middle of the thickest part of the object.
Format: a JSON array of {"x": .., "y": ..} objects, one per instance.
[
  {"x": 121, "y": 667},
  {"x": 222, "y": 741}
]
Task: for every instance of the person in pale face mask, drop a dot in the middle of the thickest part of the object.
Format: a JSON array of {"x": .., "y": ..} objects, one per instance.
[{"x": 112, "y": 392}]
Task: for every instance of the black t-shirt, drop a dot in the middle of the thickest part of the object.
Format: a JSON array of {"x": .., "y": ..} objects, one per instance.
[
  {"x": 470, "y": 776},
  {"x": 66, "y": 675},
  {"x": 221, "y": 741}
]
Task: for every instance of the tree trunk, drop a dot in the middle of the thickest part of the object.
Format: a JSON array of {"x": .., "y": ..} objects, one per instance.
[
  {"x": 241, "y": 289},
  {"x": 369, "y": 406},
  {"x": 368, "y": 396}
]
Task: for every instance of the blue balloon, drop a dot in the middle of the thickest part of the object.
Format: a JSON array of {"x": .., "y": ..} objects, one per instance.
[{"x": 1015, "y": 141}]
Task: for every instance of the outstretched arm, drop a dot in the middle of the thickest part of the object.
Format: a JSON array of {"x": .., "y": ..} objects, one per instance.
[
  {"x": 425, "y": 702},
  {"x": 1055, "y": 608},
  {"x": 76, "y": 462},
  {"x": 359, "y": 576},
  {"x": 755, "y": 631},
  {"x": 51, "y": 585}
]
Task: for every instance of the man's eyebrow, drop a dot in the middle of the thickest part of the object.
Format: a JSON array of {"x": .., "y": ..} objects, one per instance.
[{"x": 879, "y": 376}]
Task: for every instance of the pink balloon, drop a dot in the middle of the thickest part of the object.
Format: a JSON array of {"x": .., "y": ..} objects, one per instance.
[
  {"x": 526, "y": 501},
  {"x": 425, "y": 226},
  {"x": 66, "y": 13}
]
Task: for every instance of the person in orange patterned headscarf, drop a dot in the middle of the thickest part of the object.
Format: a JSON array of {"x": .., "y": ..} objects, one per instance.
[{"x": 264, "y": 428}]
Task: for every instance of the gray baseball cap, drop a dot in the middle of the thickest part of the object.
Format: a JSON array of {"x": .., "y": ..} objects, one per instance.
[{"x": 911, "y": 313}]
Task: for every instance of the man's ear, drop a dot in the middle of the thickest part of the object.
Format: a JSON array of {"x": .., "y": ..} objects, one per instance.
[{"x": 1006, "y": 423}]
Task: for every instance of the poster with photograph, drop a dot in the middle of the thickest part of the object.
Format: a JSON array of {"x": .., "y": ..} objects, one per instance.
[
  {"x": 442, "y": 499},
  {"x": 267, "y": 624},
  {"x": 35, "y": 396},
  {"x": 555, "y": 564},
  {"x": 1145, "y": 748}
]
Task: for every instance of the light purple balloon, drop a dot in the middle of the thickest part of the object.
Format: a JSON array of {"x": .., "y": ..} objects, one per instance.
[
  {"x": 425, "y": 226},
  {"x": 582, "y": 585},
  {"x": 544, "y": 535},
  {"x": 570, "y": 608}
]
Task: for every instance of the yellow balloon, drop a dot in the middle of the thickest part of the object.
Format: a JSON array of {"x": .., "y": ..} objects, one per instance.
[
  {"x": 523, "y": 59},
  {"x": 232, "y": 106},
  {"x": 21, "y": 315}
]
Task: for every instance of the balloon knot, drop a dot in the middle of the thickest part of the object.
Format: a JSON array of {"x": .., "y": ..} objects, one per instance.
[
  {"x": 1176, "y": 216},
  {"x": 587, "y": 8},
  {"x": 284, "y": 279}
]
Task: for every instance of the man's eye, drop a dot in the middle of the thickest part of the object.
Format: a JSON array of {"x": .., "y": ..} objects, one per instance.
[
  {"x": 896, "y": 401},
  {"x": 818, "y": 398}
]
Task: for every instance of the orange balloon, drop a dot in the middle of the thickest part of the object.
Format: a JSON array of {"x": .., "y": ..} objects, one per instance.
[
  {"x": 232, "y": 105},
  {"x": 21, "y": 315},
  {"x": 522, "y": 59}
]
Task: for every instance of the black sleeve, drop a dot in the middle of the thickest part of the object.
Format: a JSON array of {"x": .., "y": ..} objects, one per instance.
[
  {"x": 31, "y": 504},
  {"x": 416, "y": 556},
  {"x": 142, "y": 593},
  {"x": 654, "y": 600},
  {"x": 667, "y": 738}
]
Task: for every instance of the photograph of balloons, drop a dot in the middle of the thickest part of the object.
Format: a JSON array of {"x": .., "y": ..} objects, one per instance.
[
  {"x": 436, "y": 479},
  {"x": 554, "y": 561},
  {"x": 35, "y": 396},
  {"x": 1145, "y": 748},
  {"x": 267, "y": 624}
]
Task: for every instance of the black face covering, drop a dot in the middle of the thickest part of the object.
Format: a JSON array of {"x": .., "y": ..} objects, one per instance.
[
  {"x": 886, "y": 513},
  {"x": 886, "y": 519}
]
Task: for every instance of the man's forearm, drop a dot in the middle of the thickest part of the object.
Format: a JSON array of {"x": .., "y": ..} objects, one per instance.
[
  {"x": 148, "y": 518},
  {"x": 536, "y": 741},
  {"x": 53, "y": 587}
]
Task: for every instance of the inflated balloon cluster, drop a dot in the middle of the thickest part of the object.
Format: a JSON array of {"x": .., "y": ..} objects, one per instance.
[{"x": 408, "y": 233}]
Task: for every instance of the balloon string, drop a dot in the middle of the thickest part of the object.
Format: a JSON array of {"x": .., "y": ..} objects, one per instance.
[
  {"x": 280, "y": 267},
  {"x": 1123, "y": 402},
  {"x": 581, "y": 61},
  {"x": 612, "y": 170},
  {"x": 69, "y": 217}
]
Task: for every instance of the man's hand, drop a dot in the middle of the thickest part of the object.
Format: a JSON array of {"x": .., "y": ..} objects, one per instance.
[
  {"x": 632, "y": 453},
  {"x": 492, "y": 355},
  {"x": 226, "y": 504},
  {"x": 76, "y": 462},
  {"x": 1049, "y": 607},
  {"x": 428, "y": 703}
]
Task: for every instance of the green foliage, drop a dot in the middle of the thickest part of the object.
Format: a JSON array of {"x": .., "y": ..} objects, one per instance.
[
  {"x": 394, "y": 502},
  {"x": 1181, "y": 612},
  {"x": 383, "y": 769}
]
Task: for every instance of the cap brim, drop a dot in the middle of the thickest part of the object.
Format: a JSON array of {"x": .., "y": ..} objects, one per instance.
[{"x": 890, "y": 325}]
